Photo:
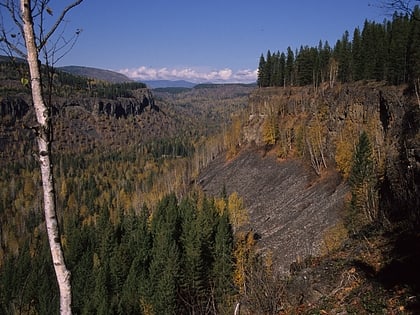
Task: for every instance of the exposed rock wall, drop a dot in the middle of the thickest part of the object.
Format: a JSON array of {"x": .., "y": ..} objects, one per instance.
[
  {"x": 17, "y": 107},
  {"x": 13, "y": 107}
]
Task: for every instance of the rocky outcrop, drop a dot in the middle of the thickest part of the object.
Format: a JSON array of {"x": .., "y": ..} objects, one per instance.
[
  {"x": 124, "y": 107},
  {"x": 121, "y": 107},
  {"x": 289, "y": 206},
  {"x": 13, "y": 107}
]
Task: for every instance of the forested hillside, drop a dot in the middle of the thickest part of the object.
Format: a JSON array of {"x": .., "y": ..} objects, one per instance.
[
  {"x": 367, "y": 134},
  {"x": 113, "y": 173},
  {"x": 379, "y": 51},
  {"x": 300, "y": 196}
]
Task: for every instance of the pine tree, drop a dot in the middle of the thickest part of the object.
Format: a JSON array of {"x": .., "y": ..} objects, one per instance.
[
  {"x": 414, "y": 49},
  {"x": 222, "y": 271},
  {"x": 165, "y": 256},
  {"x": 136, "y": 286},
  {"x": 289, "y": 71},
  {"x": 362, "y": 181},
  {"x": 357, "y": 56},
  {"x": 342, "y": 52},
  {"x": 397, "y": 32},
  {"x": 193, "y": 280},
  {"x": 324, "y": 59}
]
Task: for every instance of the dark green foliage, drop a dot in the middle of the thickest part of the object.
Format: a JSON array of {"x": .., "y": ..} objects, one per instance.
[
  {"x": 175, "y": 260},
  {"x": 223, "y": 258},
  {"x": 177, "y": 147},
  {"x": 414, "y": 46},
  {"x": 27, "y": 281},
  {"x": 363, "y": 182},
  {"x": 362, "y": 161},
  {"x": 115, "y": 90},
  {"x": 387, "y": 51}
]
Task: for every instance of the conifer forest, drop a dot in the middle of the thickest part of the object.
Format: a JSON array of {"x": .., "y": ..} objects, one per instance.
[{"x": 143, "y": 234}]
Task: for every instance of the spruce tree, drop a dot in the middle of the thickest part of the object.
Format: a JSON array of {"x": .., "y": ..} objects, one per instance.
[
  {"x": 414, "y": 49},
  {"x": 222, "y": 271},
  {"x": 357, "y": 56},
  {"x": 362, "y": 180},
  {"x": 261, "y": 70},
  {"x": 165, "y": 256},
  {"x": 290, "y": 62}
]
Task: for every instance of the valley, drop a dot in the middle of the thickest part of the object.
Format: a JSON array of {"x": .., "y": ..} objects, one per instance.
[{"x": 276, "y": 160}]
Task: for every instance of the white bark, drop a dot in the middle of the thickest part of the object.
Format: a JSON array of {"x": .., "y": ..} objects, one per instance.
[
  {"x": 237, "y": 309},
  {"x": 44, "y": 147}
]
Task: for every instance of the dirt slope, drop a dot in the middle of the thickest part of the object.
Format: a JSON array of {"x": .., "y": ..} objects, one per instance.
[{"x": 289, "y": 207}]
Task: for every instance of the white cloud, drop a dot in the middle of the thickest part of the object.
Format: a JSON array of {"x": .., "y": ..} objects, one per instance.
[{"x": 195, "y": 75}]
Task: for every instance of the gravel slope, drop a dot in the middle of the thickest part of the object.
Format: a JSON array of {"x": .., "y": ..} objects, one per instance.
[{"x": 289, "y": 207}]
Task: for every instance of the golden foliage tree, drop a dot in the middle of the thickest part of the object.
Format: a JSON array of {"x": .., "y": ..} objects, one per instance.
[
  {"x": 271, "y": 128},
  {"x": 238, "y": 215}
]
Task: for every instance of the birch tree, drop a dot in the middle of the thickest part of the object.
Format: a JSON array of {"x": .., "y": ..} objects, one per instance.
[{"x": 29, "y": 19}]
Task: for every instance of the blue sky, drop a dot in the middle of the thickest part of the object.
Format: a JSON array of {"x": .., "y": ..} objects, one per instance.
[{"x": 200, "y": 41}]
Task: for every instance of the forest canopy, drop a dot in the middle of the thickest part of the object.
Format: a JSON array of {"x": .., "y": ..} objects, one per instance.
[{"x": 388, "y": 51}]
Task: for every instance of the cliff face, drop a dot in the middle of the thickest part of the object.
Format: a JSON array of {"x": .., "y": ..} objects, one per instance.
[
  {"x": 121, "y": 107},
  {"x": 291, "y": 207},
  {"x": 12, "y": 108},
  {"x": 389, "y": 114}
]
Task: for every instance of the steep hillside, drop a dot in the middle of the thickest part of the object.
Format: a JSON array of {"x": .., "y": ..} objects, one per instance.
[
  {"x": 289, "y": 207},
  {"x": 292, "y": 162}
]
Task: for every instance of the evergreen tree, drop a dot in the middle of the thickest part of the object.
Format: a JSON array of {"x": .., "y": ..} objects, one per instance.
[
  {"x": 282, "y": 66},
  {"x": 136, "y": 286},
  {"x": 261, "y": 72},
  {"x": 165, "y": 256},
  {"x": 193, "y": 275},
  {"x": 362, "y": 181},
  {"x": 357, "y": 56},
  {"x": 268, "y": 69},
  {"x": 324, "y": 59},
  {"x": 222, "y": 271},
  {"x": 342, "y": 53},
  {"x": 290, "y": 62},
  {"x": 397, "y": 33},
  {"x": 414, "y": 49}
]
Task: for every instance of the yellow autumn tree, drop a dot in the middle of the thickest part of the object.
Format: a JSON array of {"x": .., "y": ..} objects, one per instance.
[
  {"x": 238, "y": 215},
  {"x": 232, "y": 138},
  {"x": 345, "y": 144},
  {"x": 244, "y": 252},
  {"x": 220, "y": 204},
  {"x": 270, "y": 128}
]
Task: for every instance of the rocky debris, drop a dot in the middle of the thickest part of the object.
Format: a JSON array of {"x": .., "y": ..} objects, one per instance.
[{"x": 289, "y": 208}]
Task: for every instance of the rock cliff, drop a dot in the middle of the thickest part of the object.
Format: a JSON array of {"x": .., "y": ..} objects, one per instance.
[{"x": 12, "y": 108}]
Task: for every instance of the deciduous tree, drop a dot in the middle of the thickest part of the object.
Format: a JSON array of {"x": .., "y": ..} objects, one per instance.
[{"x": 36, "y": 38}]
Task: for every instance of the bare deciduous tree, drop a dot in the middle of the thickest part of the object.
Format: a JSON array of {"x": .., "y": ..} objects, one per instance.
[
  {"x": 402, "y": 5},
  {"x": 28, "y": 19}
]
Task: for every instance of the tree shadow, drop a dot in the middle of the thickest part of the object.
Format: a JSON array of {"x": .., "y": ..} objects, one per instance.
[{"x": 403, "y": 269}]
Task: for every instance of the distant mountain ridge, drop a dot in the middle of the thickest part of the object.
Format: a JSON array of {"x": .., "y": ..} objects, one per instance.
[
  {"x": 155, "y": 84},
  {"x": 96, "y": 73}
]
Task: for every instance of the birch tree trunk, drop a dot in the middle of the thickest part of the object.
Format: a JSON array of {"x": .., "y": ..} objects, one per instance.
[{"x": 44, "y": 138}]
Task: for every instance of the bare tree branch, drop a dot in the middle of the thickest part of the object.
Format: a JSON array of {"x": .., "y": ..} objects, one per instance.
[
  {"x": 406, "y": 6},
  {"x": 57, "y": 23}
]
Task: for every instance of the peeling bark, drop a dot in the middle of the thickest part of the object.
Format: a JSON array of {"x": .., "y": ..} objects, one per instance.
[{"x": 44, "y": 147}]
